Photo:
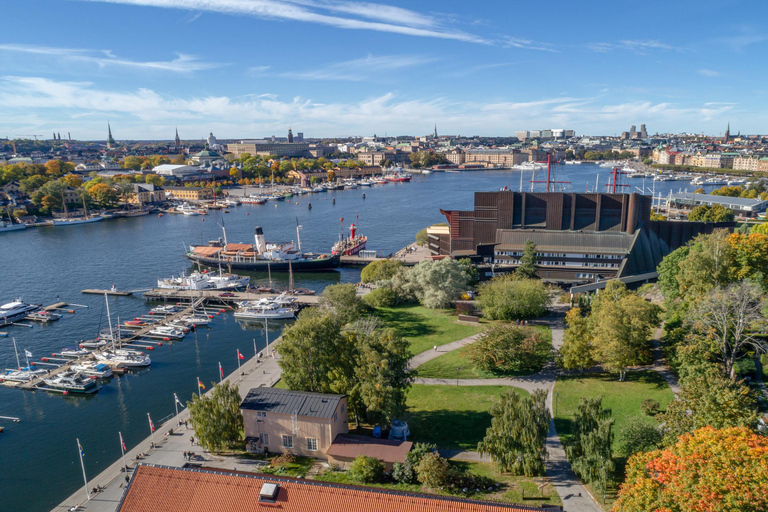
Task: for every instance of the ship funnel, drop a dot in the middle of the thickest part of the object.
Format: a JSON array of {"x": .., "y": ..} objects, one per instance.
[
  {"x": 260, "y": 244},
  {"x": 352, "y": 231}
]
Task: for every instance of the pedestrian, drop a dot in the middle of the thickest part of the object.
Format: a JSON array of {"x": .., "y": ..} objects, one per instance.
[
  {"x": 191, "y": 440},
  {"x": 127, "y": 479},
  {"x": 435, "y": 348}
]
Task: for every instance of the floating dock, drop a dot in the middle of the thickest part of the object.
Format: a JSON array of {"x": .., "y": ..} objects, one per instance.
[
  {"x": 218, "y": 297},
  {"x": 116, "y": 293}
]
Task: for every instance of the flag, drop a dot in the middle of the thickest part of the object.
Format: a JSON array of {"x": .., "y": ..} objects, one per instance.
[
  {"x": 151, "y": 425},
  {"x": 122, "y": 443},
  {"x": 201, "y": 384},
  {"x": 80, "y": 448},
  {"x": 177, "y": 400},
  {"x": 221, "y": 371},
  {"x": 27, "y": 353},
  {"x": 239, "y": 355}
]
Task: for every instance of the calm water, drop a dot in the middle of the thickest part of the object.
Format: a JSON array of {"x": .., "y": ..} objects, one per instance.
[{"x": 38, "y": 457}]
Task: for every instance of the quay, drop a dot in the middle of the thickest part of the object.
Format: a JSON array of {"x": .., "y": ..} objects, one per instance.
[
  {"x": 169, "y": 448},
  {"x": 409, "y": 256}
]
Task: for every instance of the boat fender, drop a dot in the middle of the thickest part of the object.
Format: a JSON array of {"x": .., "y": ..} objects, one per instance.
[
  {"x": 54, "y": 354},
  {"x": 222, "y": 310},
  {"x": 247, "y": 214},
  {"x": 159, "y": 344},
  {"x": 203, "y": 220},
  {"x": 32, "y": 363},
  {"x": 65, "y": 392},
  {"x": 166, "y": 339},
  {"x": 44, "y": 359},
  {"x": 275, "y": 206},
  {"x": 150, "y": 348},
  {"x": 81, "y": 346}
]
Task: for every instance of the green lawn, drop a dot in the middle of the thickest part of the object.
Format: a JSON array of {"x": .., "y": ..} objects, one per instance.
[
  {"x": 623, "y": 398},
  {"x": 444, "y": 367},
  {"x": 451, "y": 416},
  {"x": 424, "y": 328}
]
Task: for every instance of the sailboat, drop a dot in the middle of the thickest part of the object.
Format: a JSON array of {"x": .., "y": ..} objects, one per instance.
[
  {"x": 10, "y": 226},
  {"x": 66, "y": 221},
  {"x": 21, "y": 374},
  {"x": 118, "y": 356}
]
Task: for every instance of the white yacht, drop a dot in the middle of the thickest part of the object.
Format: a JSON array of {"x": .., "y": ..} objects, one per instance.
[
  {"x": 196, "y": 320},
  {"x": 93, "y": 344},
  {"x": 164, "y": 310},
  {"x": 167, "y": 331},
  {"x": 92, "y": 369},
  {"x": 261, "y": 311},
  {"x": 225, "y": 281},
  {"x": 21, "y": 375},
  {"x": 194, "y": 281},
  {"x": 123, "y": 359},
  {"x": 74, "y": 352},
  {"x": 72, "y": 382},
  {"x": 15, "y": 310}
]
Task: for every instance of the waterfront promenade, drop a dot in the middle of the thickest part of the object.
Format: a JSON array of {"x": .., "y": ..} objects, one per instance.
[{"x": 169, "y": 449}]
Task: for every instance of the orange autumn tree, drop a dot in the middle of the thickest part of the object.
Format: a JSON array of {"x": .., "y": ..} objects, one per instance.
[{"x": 708, "y": 470}]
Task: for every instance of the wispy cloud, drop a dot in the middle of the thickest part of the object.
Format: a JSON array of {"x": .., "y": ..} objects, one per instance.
[
  {"x": 641, "y": 46},
  {"x": 366, "y": 68},
  {"x": 708, "y": 72},
  {"x": 346, "y": 15},
  {"x": 103, "y": 58},
  {"x": 527, "y": 44}
]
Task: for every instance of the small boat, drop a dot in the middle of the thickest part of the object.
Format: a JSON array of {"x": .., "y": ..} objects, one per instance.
[
  {"x": 167, "y": 331},
  {"x": 9, "y": 226},
  {"x": 43, "y": 316},
  {"x": 197, "y": 320},
  {"x": 98, "y": 370},
  {"x": 74, "y": 352},
  {"x": 164, "y": 310},
  {"x": 261, "y": 311},
  {"x": 72, "y": 222},
  {"x": 124, "y": 359},
  {"x": 72, "y": 382},
  {"x": 92, "y": 344},
  {"x": 21, "y": 375}
]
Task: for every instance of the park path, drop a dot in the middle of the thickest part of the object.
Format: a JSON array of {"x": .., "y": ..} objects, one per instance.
[
  {"x": 660, "y": 365},
  {"x": 573, "y": 494}
]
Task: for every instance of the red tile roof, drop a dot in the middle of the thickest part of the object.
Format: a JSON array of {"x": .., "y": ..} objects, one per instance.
[{"x": 166, "y": 489}]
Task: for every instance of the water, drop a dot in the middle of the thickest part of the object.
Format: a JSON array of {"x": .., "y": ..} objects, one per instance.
[{"x": 39, "y": 465}]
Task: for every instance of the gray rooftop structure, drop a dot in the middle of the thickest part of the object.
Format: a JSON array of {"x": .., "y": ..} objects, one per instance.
[
  {"x": 285, "y": 401},
  {"x": 734, "y": 203}
]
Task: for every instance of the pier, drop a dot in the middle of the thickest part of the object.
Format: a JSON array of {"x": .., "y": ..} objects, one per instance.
[
  {"x": 214, "y": 297},
  {"x": 107, "y": 292},
  {"x": 408, "y": 256}
]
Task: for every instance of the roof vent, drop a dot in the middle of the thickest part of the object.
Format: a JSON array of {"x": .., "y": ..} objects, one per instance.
[{"x": 269, "y": 492}]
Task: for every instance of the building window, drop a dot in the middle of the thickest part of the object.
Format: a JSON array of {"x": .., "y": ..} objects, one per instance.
[
  {"x": 311, "y": 444},
  {"x": 343, "y": 408},
  {"x": 265, "y": 439},
  {"x": 261, "y": 414},
  {"x": 287, "y": 441},
  {"x": 335, "y": 417}
]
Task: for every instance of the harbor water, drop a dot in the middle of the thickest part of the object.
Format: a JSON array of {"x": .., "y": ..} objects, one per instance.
[{"x": 39, "y": 463}]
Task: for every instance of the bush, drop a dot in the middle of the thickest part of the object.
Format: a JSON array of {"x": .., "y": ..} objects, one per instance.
[
  {"x": 465, "y": 308},
  {"x": 404, "y": 472},
  {"x": 366, "y": 470},
  {"x": 511, "y": 298},
  {"x": 282, "y": 460},
  {"x": 380, "y": 270},
  {"x": 383, "y": 296},
  {"x": 509, "y": 348},
  {"x": 650, "y": 407},
  {"x": 418, "y": 451},
  {"x": 639, "y": 436},
  {"x": 434, "y": 471}
]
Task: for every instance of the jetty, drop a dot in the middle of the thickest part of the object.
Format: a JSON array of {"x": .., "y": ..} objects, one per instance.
[
  {"x": 218, "y": 297},
  {"x": 116, "y": 293},
  {"x": 408, "y": 256}
]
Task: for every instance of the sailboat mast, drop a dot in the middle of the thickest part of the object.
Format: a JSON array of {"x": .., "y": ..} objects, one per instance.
[
  {"x": 290, "y": 276},
  {"x": 85, "y": 208},
  {"x": 109, "y": 319},
  {"x": 18, "y": 363}
]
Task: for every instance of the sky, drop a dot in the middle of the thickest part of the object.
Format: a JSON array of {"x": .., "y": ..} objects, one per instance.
[{"x": 254, "y": 68}]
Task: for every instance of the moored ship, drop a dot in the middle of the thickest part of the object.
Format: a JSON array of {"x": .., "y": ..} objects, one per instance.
[{"x": 350, "y": 246}]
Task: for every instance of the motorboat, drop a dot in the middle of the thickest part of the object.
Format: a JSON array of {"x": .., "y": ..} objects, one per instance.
[
  {"x": 225, "y": 281},
  {"x": 22, "y": 374},
  {"x": 164, "y": 310},
  {"x": 194, "y": 281},
  {"x": 188, "y": 210},
  {"x": 259, "y": 312},
  {"x": 72, "y": 382},
  {"x": 121, "y": 359},
  {"x": 74, "y": 352},
  {"x": 197, "y": 320},
  {"x": 15, "y": 310},
  {"x": 167, "y": 332},
  {"x": 319, "y": 188},
  {"x": 93, "y": 344},
  {"x": 92, "y": 369},
  {"x": 43, "y": 316}
]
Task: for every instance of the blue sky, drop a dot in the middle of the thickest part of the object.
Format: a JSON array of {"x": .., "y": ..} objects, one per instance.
[{"x": 251, "y": 68}]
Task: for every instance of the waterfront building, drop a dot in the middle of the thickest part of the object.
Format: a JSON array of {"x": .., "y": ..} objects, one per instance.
[
  {"x": 740, "y": 205},
  {"x": 267, "y": 148},
  {"x": 496, "y": 157},
  {"x": 578, "y": 237},
  {"x": 144, "y": 193},
  {"x": 295, "y": 422},
  {"x": 171, "y": 489},
  {"x": 189, "y": 193},
  {"x": 376, "y": 157}
]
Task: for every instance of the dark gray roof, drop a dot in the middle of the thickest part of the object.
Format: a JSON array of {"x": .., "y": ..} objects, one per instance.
[
  {"x": 284, "y": 401},
  {"x": 735, "y": 203},
  {"x": 565, "y": 241}
]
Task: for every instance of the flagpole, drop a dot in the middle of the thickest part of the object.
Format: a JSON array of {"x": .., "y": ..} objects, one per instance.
[
  {"x": 82, "y": 464},
  {"x": 238, "y": 363},
  {"x": 255, "y": 352},
  {"x": 199, "y": 394},
  {"x": 221, "y": 373},
  {"x": 266, "y": 333},
  {"x": 151, "y": 430},
  {"x": 176, "y": 403},
  {"x": 122, "y": 450}
]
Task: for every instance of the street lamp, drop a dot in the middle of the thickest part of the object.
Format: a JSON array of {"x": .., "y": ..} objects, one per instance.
[{"x": 458, "y": 369}]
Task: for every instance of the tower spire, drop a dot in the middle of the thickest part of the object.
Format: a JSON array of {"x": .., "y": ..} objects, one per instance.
[
  {"x": 728, "y": 132},
  {"x": 110, "y": 140},
  {"x": 177, "y": 141}
]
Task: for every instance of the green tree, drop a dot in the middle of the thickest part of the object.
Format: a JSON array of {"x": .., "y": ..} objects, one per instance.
[
  {"x": 383, "y": 296},
  {"x": 380, "y": 270},
  {"x": 761, "y": 228},
  {"x": 527, "y": 267},
  {"x": 154, "y": 179},
  {"x": 434, "y": 283},
  {"x": 367, "y": 470},
  {"x": 589, "y": 448},
  {"x": 434, "y": 471},
  {"x": 508, "y": 348},
  {"x": 217, "y": 418},
  {"x": 715, "y": 213},
  {"x": 422, "y": 238},
  {"x": 577, "y": 350},
  {"x": 310, "y": 351},
  {"x": 516, "y": 439},
  {"x": 668, "y": 270},
  {"x": 343, "y": 301},
  {"x": 511, "y": 298},
  {"x": 639, "y": 436}
]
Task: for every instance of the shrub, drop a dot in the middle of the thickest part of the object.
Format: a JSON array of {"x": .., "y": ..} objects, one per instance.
[
  {"x": 639, "y": 436},
  {"x": 403, "y": 472},
  {"x": 509, "y": 348},
  {"x": 367, "y": 470},
  {"x": 465, "y": 308},
  {"x": 380, "y": 270},
  {"x": 511, "y": 298},
  {"x": 650, "y": 407},
  {"x": 383, "y": 296},
  {"x": 434, "y": 471},
  {"x": 282, "y": 460},
  {"x": 418, "y": 451}
]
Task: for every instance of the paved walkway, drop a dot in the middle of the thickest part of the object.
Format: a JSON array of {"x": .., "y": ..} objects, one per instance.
[
  {"x": 660, "y": 365},
  {"x": 170, "y": 448},
  {"x": 573, "y": 494}
]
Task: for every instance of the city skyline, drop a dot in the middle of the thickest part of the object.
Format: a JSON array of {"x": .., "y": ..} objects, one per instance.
[{"x": 253, "y": 68}]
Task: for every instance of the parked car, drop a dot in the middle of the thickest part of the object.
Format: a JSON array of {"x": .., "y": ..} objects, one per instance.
[{"x": 227, "y": 294}]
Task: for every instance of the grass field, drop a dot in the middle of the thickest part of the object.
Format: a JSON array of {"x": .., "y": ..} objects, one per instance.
[
  {"x": 451, "y": 416},
  {"x": 444, "y": 367},
  {"x": 424, "y": 328}
]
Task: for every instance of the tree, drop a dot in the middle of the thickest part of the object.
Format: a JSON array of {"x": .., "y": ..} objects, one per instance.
[
  {"x": 434, "y": 471},
  {"x": 639, "y": 436},
  {"x": 727, "y": 316},
  {"x": 527, "y": 267},
  {"x": 589, "y": 448},
  {"x": 714, "y": 213},
  {"x": 422, "y": 238},
  {"x": 508, "y": 348},
  {"x": 622, "y": 326},
  {"x": 342, "y": 300},
  {"x": 383, "y": 296},
  {"x": 104, "y": 194},
  {"x": 217, "y": 418},
  {"x": 516, "y": 439},
  {"x": 512, "y": 298},
  {"x": 750, "y": 258},
  {"x": 577, "y": 350},
  {"x": 154, "y": 179},
  {"x": 761, "y": 228},
  {"x": 436, "y": 283},
  {"x": 668, "y": 270},
  {"x": 707, "y": 470},
  {"x": 708, "y": 398},
  {"x": 133, "y": 162},
  {"x": 367, "y": 470},
  {"x": 380, "y": 270},
  {"x": 331, "y": 175}
]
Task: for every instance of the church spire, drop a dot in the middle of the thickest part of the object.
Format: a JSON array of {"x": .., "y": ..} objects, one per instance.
[
  {"x": 435, "y": 130},
  {"x": 728, "y": 132},
  {"x": 110, "y": 140},
  {"x": 177, "y": 141}
]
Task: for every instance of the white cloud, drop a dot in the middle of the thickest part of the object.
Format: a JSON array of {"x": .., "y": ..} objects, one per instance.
[
  {"x": 365, "y": 16},
  {"x": 365, "y": 68},
  {"x": 103, "y": 58},
  {"x": 526, "y": 44},
  {"x": 708, "y": 72},
  {"x": 32, "y": 103},
  {"x": 641, "y": 46}
]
